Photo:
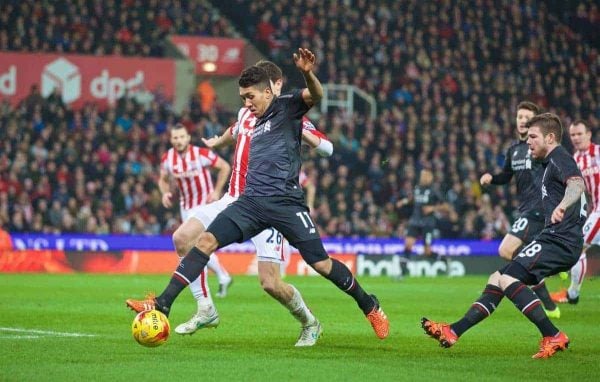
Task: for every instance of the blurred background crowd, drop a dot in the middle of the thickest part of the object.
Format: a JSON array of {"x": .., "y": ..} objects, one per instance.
[{"x": 447, "y": 76}]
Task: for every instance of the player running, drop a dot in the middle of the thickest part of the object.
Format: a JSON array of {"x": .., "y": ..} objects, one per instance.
[
  {"x": 518, "y": 163},
  {"x": 587, "y": 156},
  {"x": 272, "y": 195},
  {"x": 554, "y": 250},
  {"x": 270, "y": 245}
]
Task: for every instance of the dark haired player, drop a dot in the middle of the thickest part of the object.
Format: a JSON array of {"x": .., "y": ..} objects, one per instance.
[
  {"x": 426, "y": 201},
  {"x": 554, "y": 250},
  {"x": 530, "y": 222},
  {"x": 273, "y": 197}
]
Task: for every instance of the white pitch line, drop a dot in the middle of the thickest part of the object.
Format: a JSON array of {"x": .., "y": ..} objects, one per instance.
[{"x": 45, "y": 332}]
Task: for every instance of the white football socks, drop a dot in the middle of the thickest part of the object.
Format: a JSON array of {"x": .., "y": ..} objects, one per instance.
[
  {"x": 577, "y": 276},
  {"x": 299, "y": 310},
  {"x": 215, "y": 266}
]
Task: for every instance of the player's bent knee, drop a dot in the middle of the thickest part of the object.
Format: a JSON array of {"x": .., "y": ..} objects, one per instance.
[
  {"x": 494, "y": 279},
  {"x": 505, "y": 280},
  {"x": 207, "y": 242},
  {"x": 181, "y": 241},
  {"x": 507, "y": 251}
]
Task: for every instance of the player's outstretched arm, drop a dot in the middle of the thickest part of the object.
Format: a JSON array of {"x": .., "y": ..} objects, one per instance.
[
  {"x": 217, "y": 142},
  {"x": 575, "y": 188},
  {"x": 305, "y": 62}
]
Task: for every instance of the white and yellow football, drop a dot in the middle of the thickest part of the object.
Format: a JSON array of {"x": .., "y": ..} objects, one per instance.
[{"x": 150, "y": 328}]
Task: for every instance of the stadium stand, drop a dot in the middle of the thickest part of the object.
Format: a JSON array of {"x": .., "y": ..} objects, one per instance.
[
  {"x": 446, "y": 97},
  {"x": 119, "y": 27}
]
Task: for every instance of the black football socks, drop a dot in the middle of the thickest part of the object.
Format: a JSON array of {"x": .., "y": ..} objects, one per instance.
[
  {"x": 531, "y": 307},
  {"x": 542, "y": 292},
  {"x": 188, "y": 270},
  {"x": 341, "y": 276},
  {"x": 481, "y": 309}
]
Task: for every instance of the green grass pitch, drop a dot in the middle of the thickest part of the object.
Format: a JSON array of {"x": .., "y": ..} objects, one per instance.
[{"x": 255, "y": 339}]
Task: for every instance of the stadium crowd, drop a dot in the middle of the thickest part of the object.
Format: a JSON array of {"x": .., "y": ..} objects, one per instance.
[
  {"x": 105, "y": 27},
  {"x": 446, "y": 96}
]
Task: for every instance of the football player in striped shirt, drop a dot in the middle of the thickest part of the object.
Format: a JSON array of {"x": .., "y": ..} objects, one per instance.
[
  {"x": 587, "y": 156},
  {"x": 189, "y": 166}
]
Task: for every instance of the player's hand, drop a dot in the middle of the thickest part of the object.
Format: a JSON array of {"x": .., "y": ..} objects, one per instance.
[
  {"x": 166, "y": 200},
  {"x": 213, "y": 197},
  {"x": 485, "y": 179},
  {"x": 305, "y": 60},
  {"x": 557, "y": 214},
  {"x": 210, "y": 142}
]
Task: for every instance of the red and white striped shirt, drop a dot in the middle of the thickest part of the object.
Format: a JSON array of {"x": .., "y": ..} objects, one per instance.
[
  {"x": 588, "y": 162},
  {"x": 303, "y": 179},
  {"x": 242, "y": 132},
  {"x": 191, "y": 172}
]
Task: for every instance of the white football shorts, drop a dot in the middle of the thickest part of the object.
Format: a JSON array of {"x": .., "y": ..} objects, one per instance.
[
  {"x": 591, "y": 229},
  {"x": 270, "y": 244}
]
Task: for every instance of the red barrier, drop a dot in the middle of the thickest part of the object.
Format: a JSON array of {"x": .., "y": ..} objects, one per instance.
[
  {"x": 140, "y": 262},
  {"x": 44, "y": 261}
]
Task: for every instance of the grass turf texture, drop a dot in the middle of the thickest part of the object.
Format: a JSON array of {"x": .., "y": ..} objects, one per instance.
[{"x": 256, "y": 336}]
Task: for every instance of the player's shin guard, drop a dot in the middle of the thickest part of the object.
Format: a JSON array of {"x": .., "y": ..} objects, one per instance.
[
  {"x": 341, "y": 276},
  {"x": 189, "y": 269},
  {"x": 481, "y": 309},
  {"x": 542, "y": 292},
  {"x": 528, "y": 303}
]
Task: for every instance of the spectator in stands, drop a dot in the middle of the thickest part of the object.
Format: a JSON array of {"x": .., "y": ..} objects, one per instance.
[{"x": 444, "y": 95}]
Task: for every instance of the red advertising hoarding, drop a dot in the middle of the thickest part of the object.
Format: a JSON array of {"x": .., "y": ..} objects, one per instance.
[
  {"x": 83, "y": 79},
  {"x": 138, "y": 262},
  {"x": 218, "y": 56}
]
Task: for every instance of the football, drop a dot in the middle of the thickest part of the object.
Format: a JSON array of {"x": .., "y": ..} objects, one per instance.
[{"x": 150, "y": 328}]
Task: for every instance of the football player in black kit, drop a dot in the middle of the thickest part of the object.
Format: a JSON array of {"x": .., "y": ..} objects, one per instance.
[
  {"x": 422, "y": 222},
  {"x": 273, "y": 196},
  {"x": 518, "y": 163},
  {"x": 555, "y": 249}
]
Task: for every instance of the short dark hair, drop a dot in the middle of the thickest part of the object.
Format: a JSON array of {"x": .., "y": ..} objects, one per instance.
[
  {"x": 548, "y": 123},
  {"x": 178, "y": 126},
  {"x": 273, "y": 71},
  {"x": 527, "y": 105},
  {"x": 254, "y": 76},
  {"x": 582, "y": 122}
]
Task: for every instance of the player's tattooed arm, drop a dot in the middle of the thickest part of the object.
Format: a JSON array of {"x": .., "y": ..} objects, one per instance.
[{"x": 575, "y": 187}]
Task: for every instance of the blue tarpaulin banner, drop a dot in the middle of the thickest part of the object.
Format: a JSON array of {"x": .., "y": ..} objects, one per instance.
[{"x": 90, "y": 242}]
